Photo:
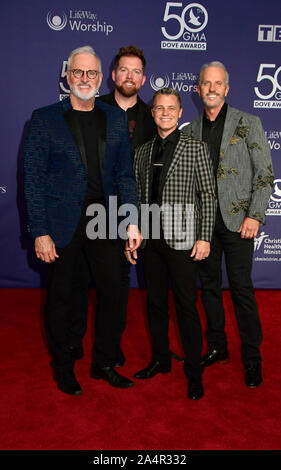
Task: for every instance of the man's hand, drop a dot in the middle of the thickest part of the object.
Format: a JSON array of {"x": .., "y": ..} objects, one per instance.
[
  {"x": 131, "y": 256},
  {"x": 132, "y": 244},
  {"x": 134, "y": 237},
  {"x": 249, "y": 228},
  {"x": 201, "y": 250},
  {"x": 45, "y": 249}
]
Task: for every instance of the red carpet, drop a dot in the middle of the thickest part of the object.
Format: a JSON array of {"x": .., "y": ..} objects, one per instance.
[{"x": 152, "y": 415}]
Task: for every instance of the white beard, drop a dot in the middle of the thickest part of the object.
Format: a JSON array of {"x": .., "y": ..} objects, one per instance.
[{"x": 85, "y": 97}]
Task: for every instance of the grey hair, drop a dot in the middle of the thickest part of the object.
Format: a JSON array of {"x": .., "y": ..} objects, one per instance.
[
  {"x": 215, "y": 63},
  {"x": 167, "y": 91},
  {"x": 83, "y": 50}
]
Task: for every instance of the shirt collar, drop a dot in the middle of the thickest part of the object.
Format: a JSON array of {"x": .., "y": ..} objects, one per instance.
[
  {"x": 170, "y": 138},
  {"x": 222, "y": 113}
]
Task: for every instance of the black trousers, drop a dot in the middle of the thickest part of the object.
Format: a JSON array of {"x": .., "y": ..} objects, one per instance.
[
  {"x": 238, "y": 258},
  {"x": 105, "y": 259},
  {"x": 161, "y": 264},
  {"x": 79, "y": 304}
]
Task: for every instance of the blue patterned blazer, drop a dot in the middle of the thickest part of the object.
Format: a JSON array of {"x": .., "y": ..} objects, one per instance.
[{"x": 56, "y": 167}]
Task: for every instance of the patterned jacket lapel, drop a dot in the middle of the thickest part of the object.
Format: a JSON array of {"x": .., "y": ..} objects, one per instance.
[
  {"x": 175, "y": 158},
  {"x": 101, "y": 132},
  {"x": 137, "y": 138},
  {"x": 197, "y": 128},
  {"x": 146, "y": 169},
  {"x": 231, "y": 122}
]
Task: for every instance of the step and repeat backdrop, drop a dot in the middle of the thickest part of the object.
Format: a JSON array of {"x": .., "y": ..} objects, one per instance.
[{"x": 177, "y": 38}]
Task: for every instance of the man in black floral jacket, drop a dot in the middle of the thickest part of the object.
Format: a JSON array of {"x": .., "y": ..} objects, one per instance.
[{"x": 244, "y": 178}]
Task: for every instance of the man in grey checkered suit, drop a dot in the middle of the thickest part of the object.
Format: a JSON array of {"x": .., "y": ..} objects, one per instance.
[
  {"x": 173, "y": 172},
  {"x": 244, "y": 177}
]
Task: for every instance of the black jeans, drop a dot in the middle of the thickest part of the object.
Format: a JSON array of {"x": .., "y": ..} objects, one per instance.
[
  {"x": 162, "y": 263},
  {"x": 238, "y": 254},
  {"x": 105, "y": 259}
]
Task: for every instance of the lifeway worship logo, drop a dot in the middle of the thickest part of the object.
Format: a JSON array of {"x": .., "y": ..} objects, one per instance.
[
  {"x": 77, "y": 20},
  {"x": 269, "y": 89},
  {"x": 269, "y": 33},
  {"x": 185, "y": 31},
  {"x": 181, "y": 81},
  {"x": 274, "y": 205},
  {"x": 274, "y": 139},
  {"x": 55, "y": 21}
]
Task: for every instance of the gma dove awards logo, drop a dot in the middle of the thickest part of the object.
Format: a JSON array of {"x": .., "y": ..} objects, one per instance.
[
  {"x": 274, "y": 205},
  {"x": 184, "y": 26},
  {"x": 268, "y": 89}
]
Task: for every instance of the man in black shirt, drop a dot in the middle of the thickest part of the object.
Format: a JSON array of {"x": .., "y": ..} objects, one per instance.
[
  {"x": 174, "y": 172},
  {"x": 78, "y": 152},
  {"x": 243, "y": 172},
  {"x": 128, "y": 75}
]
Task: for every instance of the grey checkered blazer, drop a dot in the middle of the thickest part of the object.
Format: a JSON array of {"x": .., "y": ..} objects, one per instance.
[
  {"x": 188, "y": 187},
  {"x": 245, "y": 174}
]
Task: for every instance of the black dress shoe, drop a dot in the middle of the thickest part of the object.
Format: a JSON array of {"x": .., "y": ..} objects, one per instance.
[
  {"x": 153, "y": 368},
  {"x": 195, "y": 389},
  {"x": 67, "y": 382},
  {"x": 77, "y": 352},
  {"x": 111, "y": 376},
  {"x": 253, "y": 376},
  {"x": 213, "y": 356}
]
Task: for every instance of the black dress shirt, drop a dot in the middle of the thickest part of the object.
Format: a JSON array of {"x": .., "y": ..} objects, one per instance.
[
  {"x": 212, "y": 134},
  {"x": 132, "y": 118},
  {"x": 141, "y": 124},
  {"x": 88, "y": 125},
  {"x": 162, "y": 154}
]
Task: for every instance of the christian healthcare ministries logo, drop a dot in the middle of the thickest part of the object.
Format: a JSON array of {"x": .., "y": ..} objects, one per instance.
[
  {"x": 274, "y": 205},
  {"x": 269, "y": 89},
  {"x": 184, "y": 26},
  {"x": 78, "y": 20},
  {"x": 266, "y": 248}
]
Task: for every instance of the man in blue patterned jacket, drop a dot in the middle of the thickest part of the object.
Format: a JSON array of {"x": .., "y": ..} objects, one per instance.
[{"x": 77, "y": 153}]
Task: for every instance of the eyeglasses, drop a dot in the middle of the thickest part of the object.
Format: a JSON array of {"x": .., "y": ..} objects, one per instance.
[{"x": 91, "y": 74}]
